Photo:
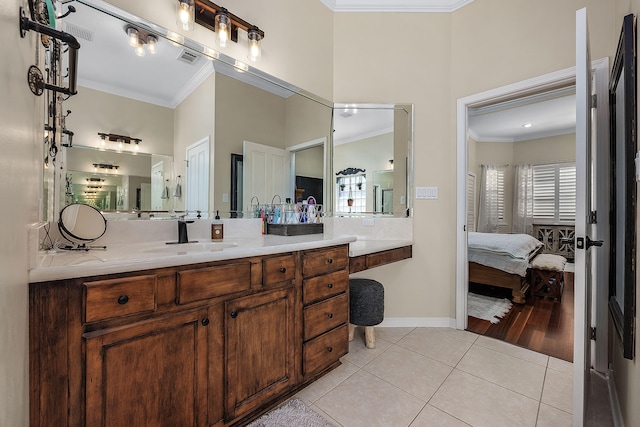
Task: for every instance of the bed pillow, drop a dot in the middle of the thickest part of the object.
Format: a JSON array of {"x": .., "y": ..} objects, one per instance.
[{"x": 514, "y": 245}]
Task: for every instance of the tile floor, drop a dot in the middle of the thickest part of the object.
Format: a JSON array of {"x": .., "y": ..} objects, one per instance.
[{"x": 442, "y": 377}]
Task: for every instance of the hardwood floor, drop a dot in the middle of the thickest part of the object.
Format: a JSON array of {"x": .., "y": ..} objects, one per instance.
[{"x": 541, "y": 325}]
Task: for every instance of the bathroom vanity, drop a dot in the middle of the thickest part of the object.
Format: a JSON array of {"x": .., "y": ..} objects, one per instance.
[{"x": 211, "y": 343}]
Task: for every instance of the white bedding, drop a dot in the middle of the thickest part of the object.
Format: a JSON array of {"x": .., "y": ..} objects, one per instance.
[
  {"x": 506, "y": 252},
  {"x": 514, "y": 245}
]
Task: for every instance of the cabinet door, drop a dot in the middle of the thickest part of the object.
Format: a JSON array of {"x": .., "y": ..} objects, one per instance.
[
  {"x": 260, "y": 349},
  {"x": 152, "y": 373}
]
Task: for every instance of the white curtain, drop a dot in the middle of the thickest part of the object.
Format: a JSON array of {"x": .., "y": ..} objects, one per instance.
[
  {"x": 489, "y": 209},
  {"x": 523, "y": 200}
]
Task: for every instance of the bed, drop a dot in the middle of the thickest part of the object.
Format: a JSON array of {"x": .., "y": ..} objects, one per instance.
[{"x": 502, "y": 260}]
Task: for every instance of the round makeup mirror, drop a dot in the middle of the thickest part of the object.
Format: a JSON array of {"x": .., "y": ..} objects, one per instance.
[{"x": 81, "y": 224}]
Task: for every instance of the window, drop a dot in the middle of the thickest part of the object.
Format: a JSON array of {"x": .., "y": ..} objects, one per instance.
[
  {"x": 554, "y": 193},
  {"x": 352, "y": 191}
]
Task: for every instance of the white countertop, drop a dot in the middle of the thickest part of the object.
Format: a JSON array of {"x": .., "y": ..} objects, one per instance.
[{"x": 119, "y": 258}]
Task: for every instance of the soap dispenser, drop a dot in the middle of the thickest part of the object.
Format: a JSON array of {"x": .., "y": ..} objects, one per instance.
[{"x": 217, "y": 228}]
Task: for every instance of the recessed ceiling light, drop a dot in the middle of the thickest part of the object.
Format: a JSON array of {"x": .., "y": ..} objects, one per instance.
[{"x": 527, "y": 125}]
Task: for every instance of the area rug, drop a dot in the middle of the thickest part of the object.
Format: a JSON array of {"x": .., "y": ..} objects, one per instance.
[
  {"x": 292, "y": 413},
  {"x": 487, "y": 308}
]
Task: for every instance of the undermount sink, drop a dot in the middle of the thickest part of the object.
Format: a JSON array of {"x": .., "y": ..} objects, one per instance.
[{"x": 183, "y": 248}]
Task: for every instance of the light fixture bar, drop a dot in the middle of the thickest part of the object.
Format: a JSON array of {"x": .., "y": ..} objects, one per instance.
[
  {"x": 115, "y": 137},
  {"x": 206, "y": 12}
]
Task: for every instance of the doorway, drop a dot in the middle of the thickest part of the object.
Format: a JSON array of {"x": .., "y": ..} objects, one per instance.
[{"x": 541, "y": 84}]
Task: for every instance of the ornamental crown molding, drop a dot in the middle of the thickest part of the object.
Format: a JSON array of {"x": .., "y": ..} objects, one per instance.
[{"x": 395, "y": 5}]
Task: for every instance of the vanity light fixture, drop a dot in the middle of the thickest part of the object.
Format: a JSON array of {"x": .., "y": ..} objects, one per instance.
[
  {"x": 120, "y": 140},
  {"x": 106, "y": 167},
  {"x": 139, "y": 38},
  {"x": 94, "y": 186},
  {"x": 226, "y": 25},
  {"x": 93, "y": 179},
  {"x": 185, "y": 10}
]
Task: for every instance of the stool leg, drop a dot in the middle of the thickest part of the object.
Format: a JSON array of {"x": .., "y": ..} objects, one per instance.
[
  {"x": 369, "y": 337},
  {"x": 352, "y": 329}
]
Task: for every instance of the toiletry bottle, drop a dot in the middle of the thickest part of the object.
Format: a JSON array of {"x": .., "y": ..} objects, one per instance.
[{"x": 217, "y": 228}]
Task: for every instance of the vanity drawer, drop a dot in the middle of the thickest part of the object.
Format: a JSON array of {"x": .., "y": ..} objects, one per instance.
[
  {"x": 324, "y": 286},
  {"x": 325, "y": 315},
  {"x": 324, "y": 261},
  {"x": 104, "y": 299},
  {"x": 278, "y": 269},
  {"x": 212, "y": 282},
  {"x": 323, "y": 351}
]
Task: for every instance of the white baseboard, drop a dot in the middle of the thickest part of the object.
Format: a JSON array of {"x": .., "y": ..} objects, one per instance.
[
  {"x": 418, "y": 322},
  {"x": 618, "y": 421}
]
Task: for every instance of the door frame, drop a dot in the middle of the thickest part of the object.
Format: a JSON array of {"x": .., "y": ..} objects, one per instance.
[
  {"x": 303, "y": 146},
  {"x": 565, "y": 77},
  {"x": 205, "y": 142}
]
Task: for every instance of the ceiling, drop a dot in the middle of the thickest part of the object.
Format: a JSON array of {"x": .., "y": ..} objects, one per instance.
[
  {"x": 353, "y": 122},
  {"x": 548, "y": 114},
  {"x": 395, "y": 5}
]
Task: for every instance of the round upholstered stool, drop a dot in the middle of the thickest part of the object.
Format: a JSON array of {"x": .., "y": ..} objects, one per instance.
[{"x": 366, "y": 307}]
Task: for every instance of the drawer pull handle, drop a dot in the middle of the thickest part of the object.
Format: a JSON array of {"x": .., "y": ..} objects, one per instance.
[
  {"x": 283, "y": 270},
  {"x": 205, "y": 321},
  {"x": 123, "y": 299},
  {"x": 329, "y": 349},
  {"x": 330, "y": 315},
  {"x": 330, "y": 286},
  {"x": 234, "y": 314},
  {"x": 330, "y": 261}
]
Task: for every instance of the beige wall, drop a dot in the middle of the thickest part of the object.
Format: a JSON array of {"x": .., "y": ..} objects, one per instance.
[
  {"x": 20, "y": 178},
  {"x": 626, "y": 373},
  {"x": 309, "y": 162}
]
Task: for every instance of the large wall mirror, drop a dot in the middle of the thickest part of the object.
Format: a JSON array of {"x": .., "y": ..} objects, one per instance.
[
  {"x": 622, "y": 265},
  {"x": 372, "y": 159},
  {"x": 179, "y": 100},
  {"x": 185, "y": 98}
]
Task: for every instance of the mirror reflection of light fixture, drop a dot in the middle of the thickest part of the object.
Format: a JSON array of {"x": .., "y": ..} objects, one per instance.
[
  {"x": 185, "y": 10},
  {"x": 139, "y": 38},
  {"x": 226, "y": 25},
  {"x": 106, "y": 167},
  {"x": 241, "y": 66}
]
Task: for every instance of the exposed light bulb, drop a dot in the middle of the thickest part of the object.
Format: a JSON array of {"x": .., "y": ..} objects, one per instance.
[
  {"x": 140, "y": 50},
  {"x": 527, "y": 125},
  {"x": 186, "y": 14},
  {"x": 152, "y": 42},
  {"x": 255, "y": 51},
  {"x": 223, "y": 28},
  {"x": 133, "y": 37}
]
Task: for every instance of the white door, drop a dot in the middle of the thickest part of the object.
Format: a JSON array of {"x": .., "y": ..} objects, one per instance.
[
  {"x": 266, "y": 172},
  {"x": 197, "y": 185},
  {"x": 585, "y": 159},
  {"x": 157, "y": 186}
]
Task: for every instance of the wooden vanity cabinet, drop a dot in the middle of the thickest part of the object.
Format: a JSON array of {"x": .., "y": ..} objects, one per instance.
[
  {"x": 149, "y": 373},
  {"x": 211, "y": 344}
]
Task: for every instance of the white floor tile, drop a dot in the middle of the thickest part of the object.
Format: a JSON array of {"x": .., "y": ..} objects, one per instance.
[
  {"x": 560, "y": 365},
  {"x": 437, "y": 343},
  {"x": 320, "y": 387},
  {"x": 412, "y": 372},
  {"x": 365, "y": 400},
  {"x": 433, "y": 417},
  {"x": 548, "y": 416},
  {"x": 558, "y": 390},
  {"x": 507, "y": 371},
  {"x": 513, "y": 350},
  {"x": 360, "y": 355},
  {"x": 483, "y": 404}
]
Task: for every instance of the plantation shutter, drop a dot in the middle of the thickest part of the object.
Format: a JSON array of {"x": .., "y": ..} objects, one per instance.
[
  {"x": 471, "y": 202},
  {"x": 554, "y": 193}
]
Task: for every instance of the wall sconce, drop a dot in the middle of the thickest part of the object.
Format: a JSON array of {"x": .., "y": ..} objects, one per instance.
[
  {"x": 226, "y": 25},
  {"x": 138, "y": 38},
  {"x": 185, "y": 10},
  {"x": 120, "y": 139}
]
